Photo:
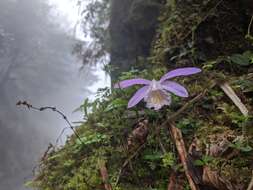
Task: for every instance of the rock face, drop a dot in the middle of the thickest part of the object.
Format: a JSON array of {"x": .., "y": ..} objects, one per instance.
[{"x": 132, "y": 28}]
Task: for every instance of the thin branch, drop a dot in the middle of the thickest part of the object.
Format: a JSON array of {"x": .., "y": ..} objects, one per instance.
[
  {"x": 172, "y": 181},
  {"x": 249, "y": 27},
  {"x": 180, "y": 145},
  {"x": 228, "y": 90},
  {"x": 60, "y": 135},
  {"x": 178, "y": 138},
  {"x": 54, "y": 109},
  {"x": 175, "y": 181},
  {"x": 250, "y": 187},
  {"x": 127, "y": 161},
  {"x": 162, "y": 146},
  {"x": 105, "y": 177},
  {"x": 187, "y": 105}
]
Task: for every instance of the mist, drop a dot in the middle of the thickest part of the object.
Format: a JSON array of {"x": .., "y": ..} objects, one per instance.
[{"x": 36, "y": 65}]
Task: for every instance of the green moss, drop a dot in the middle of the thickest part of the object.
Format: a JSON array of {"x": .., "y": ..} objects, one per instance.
[
  {"x": 180, "y": 41},
  {"x": 195, "y": 31}
]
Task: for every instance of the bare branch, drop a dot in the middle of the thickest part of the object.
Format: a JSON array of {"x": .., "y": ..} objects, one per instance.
[
  {"x": 187, "y": 105},
  {"x": 54, "y": 109},
  {"x": 250, "y": 187},
  {"x": 105, "y": 176},
  {"x": 235, "y": 99},
  {"x": 127, "y": 161},
  {"x": 180, "y": 145}
]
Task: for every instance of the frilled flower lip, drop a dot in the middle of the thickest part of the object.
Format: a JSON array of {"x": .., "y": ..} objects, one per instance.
[
  {"x": 158, "y": 93},
  {"x": 156, "y": 96}
]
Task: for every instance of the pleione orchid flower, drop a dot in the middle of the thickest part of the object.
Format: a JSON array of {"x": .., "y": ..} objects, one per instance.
[{"x": 157, "y": 94}]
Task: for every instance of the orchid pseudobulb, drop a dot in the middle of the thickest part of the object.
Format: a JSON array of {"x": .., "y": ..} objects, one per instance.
[{"x": 158, "y": 93}]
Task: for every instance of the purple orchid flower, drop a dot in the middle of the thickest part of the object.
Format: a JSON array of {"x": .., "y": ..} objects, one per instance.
[{"x": 158, "y": 93}]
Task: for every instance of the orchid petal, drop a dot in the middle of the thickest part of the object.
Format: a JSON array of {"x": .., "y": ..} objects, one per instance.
[
  {"x": 180, "y": 72},
  {"x": 138, "y": 96},
  {"x": 131, "y": 82},
  {"x": 175, "y": 88}
]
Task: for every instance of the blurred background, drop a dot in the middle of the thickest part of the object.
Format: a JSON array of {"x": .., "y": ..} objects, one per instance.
[{"x": 37, "y": 64}]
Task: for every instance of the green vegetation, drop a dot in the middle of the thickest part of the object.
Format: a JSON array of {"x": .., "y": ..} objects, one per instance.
[{"x": 206, "y": 34}]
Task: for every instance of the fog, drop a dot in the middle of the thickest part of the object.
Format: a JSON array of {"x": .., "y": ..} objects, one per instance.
[{"x": 36, "y": 65}]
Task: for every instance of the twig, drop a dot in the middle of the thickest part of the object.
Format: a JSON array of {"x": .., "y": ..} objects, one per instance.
[
  {"x": 250, "y": 187},
  {"x": 162, "y": 146},
  {"x": 235, "y": 99},
  {"x": 61, "y": 133},
  {"x": 105, "y": 176},
  {"x": 54, "y": 109},
  {"x": 172, "y": 181},
  {"x": 127, "y": 161},
  {"x": 249, "y": 27},
  {"x": 180, "y": 145},
  {"x": 177, "y": 135},
  {"x": 45, "y": 155},
  {"x": 185, "y": 106},
  {"x": 227, "y": 89}
]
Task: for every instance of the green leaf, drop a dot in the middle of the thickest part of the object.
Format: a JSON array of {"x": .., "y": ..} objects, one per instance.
[
  {"x": 199, "y": 163},
  {"x": 246, "y": 148},
  {"x": 244, "y": 59},
  {"x": 152, "y": 157},
  {"x": 91, "y": 139},
  {"x": 203, "y": 161},
  {"x": 84, "y": 107},
  {"x": 117, "y": 103},
  {"x": 241, "y": 145},
  {"x": 207, "y": 159},
  {"x": 168, "y": 159},
  {"x": 29, "y": 184}
]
